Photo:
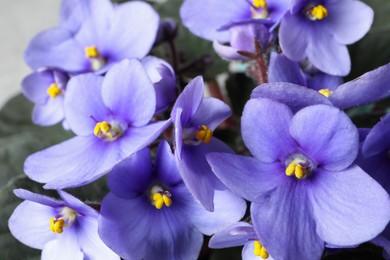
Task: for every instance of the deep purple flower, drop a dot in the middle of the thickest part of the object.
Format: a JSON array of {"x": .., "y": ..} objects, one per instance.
[
  {"x": 370, "y": 87},
  {"x": 303, "y": 184},
  {"x": 282, "y": 69},
  {"x": 164, "y": 81},
  {"x": 110, "y": 117},
  {"x": 212, "y": 19},
  {"x": 242, "y": 38},
  {"x": 320, "y": 29},
  {"x": 94, "y": 35},
  {"x": 61, "y": 229},
  {"x": 239, "y": 234},
  {"x": 46, "y": 88},
  {"x": 150, "y": 214},
  {"x": 195, "y": 119}
]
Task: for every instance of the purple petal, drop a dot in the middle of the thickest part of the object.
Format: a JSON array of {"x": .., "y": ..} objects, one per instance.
[
  {"x": 68, "y": 245},
  {"x": 226, "y": 52},
  {"x": 38, "y": 198},
  {"x": 75, "y": 162},
  {"x": 378, "y": 139},
  {"x": 281, "y": 69},
  {"x": 205, "y": 18},
  {"x": 165, "y": 165},
  {"x": 349, "y": 20},
  {"x": 332, "y": 143},
  {"x": 246, "y": 176},
  {"x": 50, "y": 113},
  {"x": 338, "y": 208},
  {"x": 132, "y": 176},
  {"x": 284, "y": 223},
  {"x": 178, "y": 133},
  {"x": 228, "y": 208},
  {"x": 211, "y": 112},
  {"x": 35, "y": 86},
  {"x": 77, "y": 205},
  {"x": 264, "y": 127},
  {"x": 52, "y": 48},
  {"x": 326, "y": 54},
  {"x": 83, "y": 104},
  {"x": 294, "y": 96},
  {"x": 377, "y": 166},
  {"x": 136, "y": 24},
  {"x": 189, "y": 100},
  {"x": 38, "y": 233},
  {"x": 368, "y": 88},
  {"x": 196, "y": 172},
  {"x": 128, "y": 92},
  {"x": 293, "y": 36},
  {"x": 234, "y": 235},
  {"x": 323, "y": 81}
]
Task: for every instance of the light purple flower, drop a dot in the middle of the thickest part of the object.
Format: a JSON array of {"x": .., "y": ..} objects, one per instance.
[
  {"x": 239, "y": 234},
  {"x": 320, "y": 29},
  {"x": 370, "y": 87},
  {"x": 164, "y": 81},
  {"x": 111, "y": 118},
  {"x": 195, "y": 119},
  {"x": 150, "y": 214},
  {"x": 46, "y": 89},
  {"x": 303, "y": 184},
  {"x": 212, "y": 19},
  {"x": 61, "y": 229},
  {"x": 93, "y": 35}
]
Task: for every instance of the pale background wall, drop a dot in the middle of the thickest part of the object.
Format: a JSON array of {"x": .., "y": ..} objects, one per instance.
[{"x": 20, "y": 20}]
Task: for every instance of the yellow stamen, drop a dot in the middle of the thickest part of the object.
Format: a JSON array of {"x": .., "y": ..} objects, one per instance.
[
  {"x": 259, "y": 250},
  {"x": 160, "y": 200},
  {"x": 57, "y": 225},
  {"x": 319, "y": 12},
  {"x": 296, "y": 169},
  {"x": 326, "y": 92},
  {"x": 53, "y": 90},
  {"x": 260, "y": 3},
  {"x": 91, "y": 52},
  {"x": 101, "y": 127},
  {"x": 204, "y": 134}
]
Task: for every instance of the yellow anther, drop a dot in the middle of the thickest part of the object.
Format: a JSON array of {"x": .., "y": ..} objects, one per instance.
[
  {"x": 53, "y": 90},
  {"x": 259, "y": 250},
  {"x": 160, "y": 200},
  {"x": 326, "y": 92},
  {"x": 57, "y": 225},
  {"x": 91, "y": 52},
  {"x": 204, "y": 134},
  {"x": 101, "y": 127},
  {"x": 296, "y": 169},
  {"x": 319, "y": 12},
  {"x": 260, "y": 3}
]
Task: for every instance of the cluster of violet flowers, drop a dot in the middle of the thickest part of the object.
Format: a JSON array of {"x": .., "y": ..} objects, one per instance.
[{"x": 312, "y": 178}]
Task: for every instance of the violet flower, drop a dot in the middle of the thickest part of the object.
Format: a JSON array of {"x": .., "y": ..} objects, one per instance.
[
  {"x": 110, "y": 117},
  {"x": 164, "y": 81},
  {"x": 320, "y": 29},
  {"x": 46, "y": 88},
  {"x": 370, "y": 87},
  {"x": 239, "y": 234},
  {"x": 212, "y": 19},
  {"x": 195, "y": 119},
  {"x": 150, "y": 214},
  {"x": 242, "y": 38},
  {"x": 61, "y": 229},
  {"x": 94, "y": 35},
  {"x": 303, "y": 184}
]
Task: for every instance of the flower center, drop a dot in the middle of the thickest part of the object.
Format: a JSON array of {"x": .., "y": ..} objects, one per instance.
[
  {"x": 259, "y": 9},
  {"x": 65, "y": 219},
  {"x": 316, "y": 12},
  {"x": 326, "y": 92},
  {"x": 197, "y": 135},
  {"x": 299, "y": 166},
  {"x": 107, "y": 131},
  {"x": 53, "y": 91},
  {"x": 204, "y": 134},
  {"x": 259, "y": 250},
  {"x": 160, "y": 197},
  {"x": 96, "y": 59}
]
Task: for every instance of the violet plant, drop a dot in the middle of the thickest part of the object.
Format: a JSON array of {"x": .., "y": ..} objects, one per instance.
[{"x": 162, "y": 156}]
